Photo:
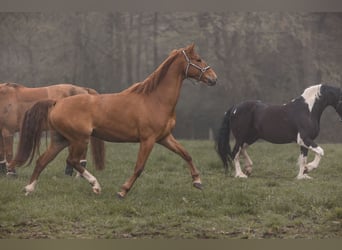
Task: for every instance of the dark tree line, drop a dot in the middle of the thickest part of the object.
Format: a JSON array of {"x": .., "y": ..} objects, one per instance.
[{"x": 270, "y": 56}]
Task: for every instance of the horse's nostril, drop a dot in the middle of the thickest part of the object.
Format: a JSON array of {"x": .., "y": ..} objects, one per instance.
[{"x": 212, "y": 81}]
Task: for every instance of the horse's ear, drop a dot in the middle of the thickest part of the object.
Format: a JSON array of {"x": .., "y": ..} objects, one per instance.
[{"x": 190, "y": 48}]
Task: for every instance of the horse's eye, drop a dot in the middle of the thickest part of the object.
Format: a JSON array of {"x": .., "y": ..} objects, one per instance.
[{"x": 199, "y": 60}]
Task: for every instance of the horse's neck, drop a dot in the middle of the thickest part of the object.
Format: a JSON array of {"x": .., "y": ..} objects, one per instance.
[
  {"x": 169, "y": 88},
  {"x": 317, "y": 110}
]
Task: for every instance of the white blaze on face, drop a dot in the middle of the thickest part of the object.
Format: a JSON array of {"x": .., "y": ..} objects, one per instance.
[{"x": 311, "y": 94}]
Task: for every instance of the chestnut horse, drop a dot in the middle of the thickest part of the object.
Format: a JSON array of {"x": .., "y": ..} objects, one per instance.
[
  {"x": 143, "y": 113},
  {"x": 15, "y": 99},
  {"x": 296, "y": 121}
]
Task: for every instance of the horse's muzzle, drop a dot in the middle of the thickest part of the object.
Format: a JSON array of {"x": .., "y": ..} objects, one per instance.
[{"x": 211, "y": 81}]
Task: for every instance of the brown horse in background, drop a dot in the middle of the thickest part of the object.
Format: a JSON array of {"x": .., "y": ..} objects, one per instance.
[
  {"x": 15, "y": 100},
  {"x": 143, "y": 113}
]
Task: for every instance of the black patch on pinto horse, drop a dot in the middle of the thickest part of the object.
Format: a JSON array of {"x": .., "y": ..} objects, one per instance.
[{"x": 296, "y": 121}]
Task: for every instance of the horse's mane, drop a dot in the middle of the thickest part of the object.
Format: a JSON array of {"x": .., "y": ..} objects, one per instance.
[
  {"x": 13, "y": 85},
  {"x": 153, "y": 80}
]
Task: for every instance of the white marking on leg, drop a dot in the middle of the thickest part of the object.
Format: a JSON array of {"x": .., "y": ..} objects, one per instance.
[
  {"x": 248, "y": 162},
  {"x": 30, "y": 188},
  {"x": 302, "y": 162},
  {"x": 300, "y": 141},
  {"x": 244, "y": 153},
  {"x": 4, "y": 161},
  {"x": 93, "y": 181},
  {"x": 319, "y": 152},
  {"x": 238, "y": 172}
]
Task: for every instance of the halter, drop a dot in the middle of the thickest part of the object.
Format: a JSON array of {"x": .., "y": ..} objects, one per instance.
[{"x": 194, "y": 65}]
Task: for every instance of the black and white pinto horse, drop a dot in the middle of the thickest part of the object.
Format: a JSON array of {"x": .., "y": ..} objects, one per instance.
[{"x": 296, "y": 121}]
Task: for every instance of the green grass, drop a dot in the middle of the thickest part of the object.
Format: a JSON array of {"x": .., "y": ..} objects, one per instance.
[{"x": 163, "y": 203}]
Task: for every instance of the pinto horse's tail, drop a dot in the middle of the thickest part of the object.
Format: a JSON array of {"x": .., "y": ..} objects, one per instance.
[
  {"x": 34, "y": 123},
  {"x": 222, "y": 140}
]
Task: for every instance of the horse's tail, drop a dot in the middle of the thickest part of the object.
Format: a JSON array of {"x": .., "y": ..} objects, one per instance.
[
  {"x": 98, "y": 152},
  {"x": 222, "y": 140},
  {"x": 34, "y": 123}
]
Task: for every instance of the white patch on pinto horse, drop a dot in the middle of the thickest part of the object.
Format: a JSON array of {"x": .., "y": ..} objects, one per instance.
[{"x": 311, "y": 94}]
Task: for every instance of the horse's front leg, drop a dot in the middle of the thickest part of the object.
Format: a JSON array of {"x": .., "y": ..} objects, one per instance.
[
  {"x": 144, "y": 151},
  {"x": 6, "y": 150},
  {"x": 319, "y": 152},
  {"x": 172, "y": 144},
  {"x": 302, "y": 163},
  {"x": 318, "y": 156}
]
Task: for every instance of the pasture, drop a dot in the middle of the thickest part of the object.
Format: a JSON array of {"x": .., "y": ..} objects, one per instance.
[{"x": 164, "y": 205}]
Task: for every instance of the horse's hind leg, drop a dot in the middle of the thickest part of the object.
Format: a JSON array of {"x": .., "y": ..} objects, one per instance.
[
  {"x": 69, "y": 170},
  {"x": 248, "y": 162},
  {"x": 236, "y": 154},
  {"x": 76, "y": 152},
  {"x": 56, "y": 145},
  {"x": 172, "y": 144},
  {"x": 2, "y": 156}
]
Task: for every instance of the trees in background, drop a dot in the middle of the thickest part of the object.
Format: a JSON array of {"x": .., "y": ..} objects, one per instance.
[{"x": 270, "y": 56}]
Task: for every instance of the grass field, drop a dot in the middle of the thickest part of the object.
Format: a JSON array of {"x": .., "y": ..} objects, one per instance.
[{"x": 163, "y": 204}]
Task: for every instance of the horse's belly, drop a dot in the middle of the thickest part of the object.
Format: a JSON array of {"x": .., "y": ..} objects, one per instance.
[
  {"x": 278, "y": 134},
  {"x": 278, "y": 139},
  {"x": 115, "y": 135}
]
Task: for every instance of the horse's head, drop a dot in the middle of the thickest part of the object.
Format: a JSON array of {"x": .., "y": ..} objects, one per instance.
[{"x": 196, "y": 67}]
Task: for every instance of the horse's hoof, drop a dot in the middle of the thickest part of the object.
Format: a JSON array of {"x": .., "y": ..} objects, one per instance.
[
  {"x": 248, "y": 171},
  {"x": 27, "y": 191},
  {"x": 11, "y": 174},
  {"x": 97, "y": 190},
  {"x": 198, "y": 185},
  {"x": 304, "y": 177},
  {"x": 243, "y": 176},
  {"x": 120, "y": 195}
]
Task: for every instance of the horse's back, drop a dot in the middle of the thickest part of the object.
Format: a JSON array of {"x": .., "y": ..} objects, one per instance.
[
  {"x": 274, "y": 123},
  {"x": 67, "y": 89}
]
